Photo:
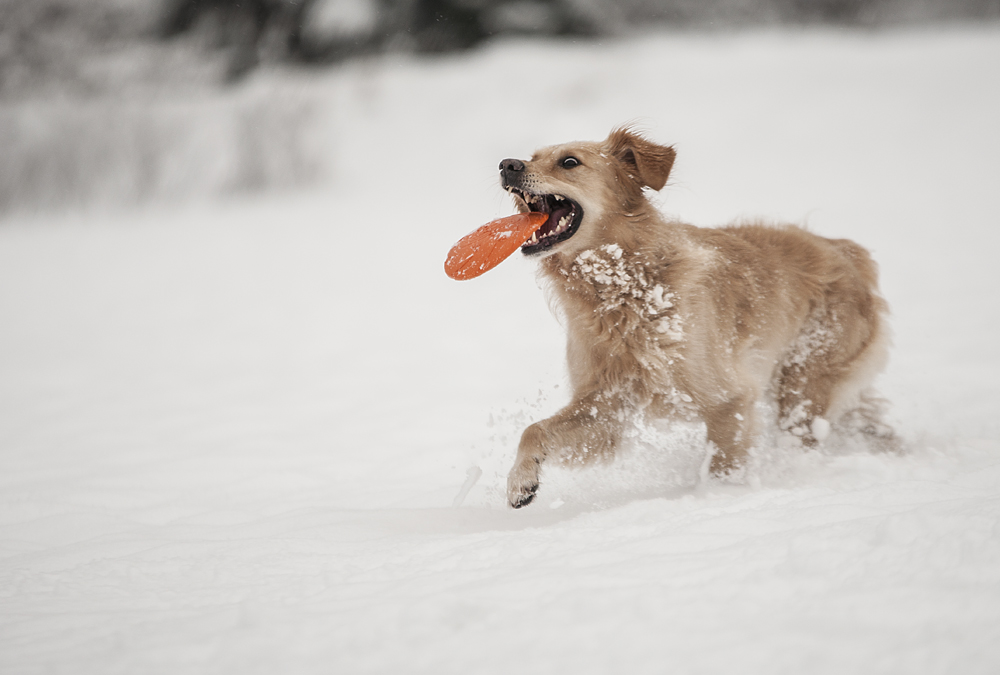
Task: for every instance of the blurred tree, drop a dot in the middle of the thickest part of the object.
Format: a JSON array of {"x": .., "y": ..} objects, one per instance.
[
  {"x": 838, "y": 11},
  {"x": 49, "y": 41},
  {"x": 73, "y": 44},
  {"x": 245, "y": 28},
  {"x": 328, "y": 30}
]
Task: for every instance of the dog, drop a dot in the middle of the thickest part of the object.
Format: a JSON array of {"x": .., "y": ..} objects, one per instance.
[{"x": 669, "y": 320}]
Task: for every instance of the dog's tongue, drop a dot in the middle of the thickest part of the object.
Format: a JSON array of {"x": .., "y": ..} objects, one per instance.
[{"x": 491, "y": 244}]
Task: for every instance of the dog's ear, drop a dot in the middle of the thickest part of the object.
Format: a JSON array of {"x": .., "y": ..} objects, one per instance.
[{"x": 647, "y": 162}]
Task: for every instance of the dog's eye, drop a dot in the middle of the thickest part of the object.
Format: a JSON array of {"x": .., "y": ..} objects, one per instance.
[{"x": 569, "y": 162}]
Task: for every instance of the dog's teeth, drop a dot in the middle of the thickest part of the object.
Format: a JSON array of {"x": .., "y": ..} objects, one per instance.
[
  {"x": 563, "y": 222},
  {"x": 559, "y": 198}
]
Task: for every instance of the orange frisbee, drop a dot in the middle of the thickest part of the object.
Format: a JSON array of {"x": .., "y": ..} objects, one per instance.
[{"x": 491, "y": 244}]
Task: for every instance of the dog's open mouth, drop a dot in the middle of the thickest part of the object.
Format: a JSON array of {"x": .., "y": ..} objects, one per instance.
[{"x": 564, "y": 220}]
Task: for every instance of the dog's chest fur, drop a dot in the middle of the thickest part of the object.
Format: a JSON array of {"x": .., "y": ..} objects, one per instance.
[
  {"x": 624, "y": 290},
  {"x": 625, "y": 321}
]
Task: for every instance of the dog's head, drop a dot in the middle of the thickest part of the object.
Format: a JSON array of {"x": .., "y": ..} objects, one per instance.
[{"x": 585, "y": 187}]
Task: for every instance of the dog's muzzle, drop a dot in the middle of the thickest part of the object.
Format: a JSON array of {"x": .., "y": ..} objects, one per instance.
[{"x": 564, "y": 214}]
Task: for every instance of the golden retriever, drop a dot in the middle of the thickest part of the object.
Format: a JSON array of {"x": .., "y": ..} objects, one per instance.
[{"x": 665, "y": 319}]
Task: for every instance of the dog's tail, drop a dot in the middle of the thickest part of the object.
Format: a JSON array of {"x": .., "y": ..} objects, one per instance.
[{"x": 861, "y": 260}]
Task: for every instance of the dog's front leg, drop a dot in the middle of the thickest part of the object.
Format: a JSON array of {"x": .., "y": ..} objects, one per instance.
[
  {"x": 731, "y": 428},
  {"x": 589, "y": 427}
]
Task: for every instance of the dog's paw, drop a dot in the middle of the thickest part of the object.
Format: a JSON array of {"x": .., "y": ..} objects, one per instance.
[
  {"x": 883, "y": 438},
  {"x": 522, "y": 484},
  {"x": 727, "y": 467},
  {"x": 522, "y": 496}
]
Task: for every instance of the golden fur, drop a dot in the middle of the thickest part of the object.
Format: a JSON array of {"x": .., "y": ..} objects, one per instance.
[{"x": 665, "y": 319}]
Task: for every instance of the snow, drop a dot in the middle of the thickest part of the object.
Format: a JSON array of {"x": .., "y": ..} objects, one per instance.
[{"x": 232, "y": 432}]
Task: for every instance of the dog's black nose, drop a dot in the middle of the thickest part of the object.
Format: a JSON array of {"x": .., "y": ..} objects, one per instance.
[{"x": 509, "y": 166}]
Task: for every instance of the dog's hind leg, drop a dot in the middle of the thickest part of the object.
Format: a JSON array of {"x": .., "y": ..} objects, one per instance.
[
  {"x": 852, "y": 406},
  {"x": 856, "y": 408},
  {"x": 833, "y": 360},
  {"x": 866, "y": 419},
  {"x": 808, "y": 376},
  {"x": 588, "y": 428}
]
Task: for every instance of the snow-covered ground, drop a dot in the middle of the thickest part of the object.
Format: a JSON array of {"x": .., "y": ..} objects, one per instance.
[{"x": 232, "y": 433}]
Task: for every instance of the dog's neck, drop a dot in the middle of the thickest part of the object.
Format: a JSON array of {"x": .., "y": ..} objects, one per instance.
[{"x": 638, "y": 224}]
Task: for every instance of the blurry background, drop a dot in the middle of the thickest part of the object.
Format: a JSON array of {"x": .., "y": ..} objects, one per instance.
[{"x": 118, "y": 101}]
